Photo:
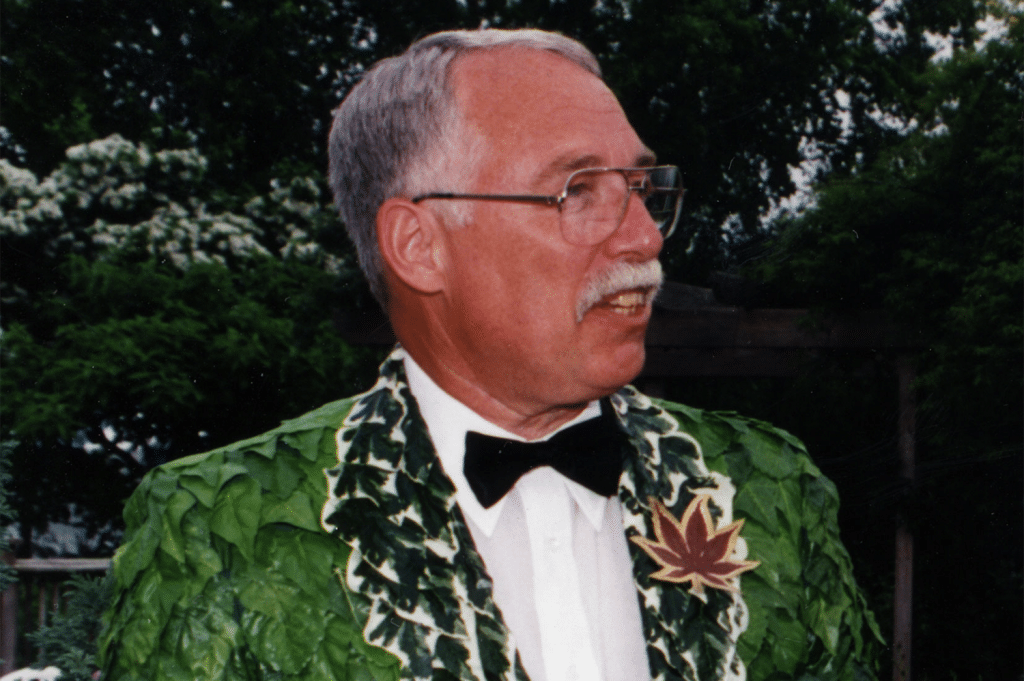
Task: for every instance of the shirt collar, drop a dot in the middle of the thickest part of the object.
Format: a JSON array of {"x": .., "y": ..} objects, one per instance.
[{"x": 448, "y": 420}]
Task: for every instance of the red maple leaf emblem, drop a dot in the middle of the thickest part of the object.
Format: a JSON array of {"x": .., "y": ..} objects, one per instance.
[{"x": 691, "y": 550}]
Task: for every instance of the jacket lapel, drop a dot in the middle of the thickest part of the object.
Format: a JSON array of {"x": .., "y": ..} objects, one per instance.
[
  {"x": 413, "y": 558},
  {"x": 687, "y": 637}
]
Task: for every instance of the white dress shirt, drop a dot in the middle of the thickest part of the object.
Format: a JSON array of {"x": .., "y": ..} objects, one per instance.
[{"x": 556, "y": 553}]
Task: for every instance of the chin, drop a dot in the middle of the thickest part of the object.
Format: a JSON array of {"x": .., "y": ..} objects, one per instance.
[{"x": 610, "y": 371}]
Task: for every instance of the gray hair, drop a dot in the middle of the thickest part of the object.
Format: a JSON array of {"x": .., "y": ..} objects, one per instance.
[{"x": 399, "y": 129}]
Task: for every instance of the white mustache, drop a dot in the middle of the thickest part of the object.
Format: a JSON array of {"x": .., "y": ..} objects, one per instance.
[{"x": 623, "y": 276}]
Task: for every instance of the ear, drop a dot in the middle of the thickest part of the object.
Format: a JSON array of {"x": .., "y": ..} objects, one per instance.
[{"x": 409, "y": 238}]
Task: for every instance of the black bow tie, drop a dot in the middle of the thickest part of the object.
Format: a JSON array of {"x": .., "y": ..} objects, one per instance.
[{"x": 589, "y": 453}]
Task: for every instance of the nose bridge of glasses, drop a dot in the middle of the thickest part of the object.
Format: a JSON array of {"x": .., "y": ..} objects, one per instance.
[
  {"x": 614, "y": 188},
  {"x": 637, "y": 178},
  {"x": 631, "y": 183},
  {"x": 618, "y": 188}
]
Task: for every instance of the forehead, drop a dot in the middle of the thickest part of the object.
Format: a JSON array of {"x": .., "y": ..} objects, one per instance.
[{"x": 540, "y": 113}]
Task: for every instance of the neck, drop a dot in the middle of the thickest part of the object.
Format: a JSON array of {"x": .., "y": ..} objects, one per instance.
[
  {"x": 531, "y": 422},
  {"x": 423, "y": 334}
]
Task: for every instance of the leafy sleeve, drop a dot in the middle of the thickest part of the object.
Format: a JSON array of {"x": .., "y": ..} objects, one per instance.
[
  {"x": 226, "y": 573},
  {"x": 808, "y": 618}
]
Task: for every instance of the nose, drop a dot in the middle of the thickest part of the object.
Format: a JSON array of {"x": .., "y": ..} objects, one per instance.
[{"x": 638, "y": 237}]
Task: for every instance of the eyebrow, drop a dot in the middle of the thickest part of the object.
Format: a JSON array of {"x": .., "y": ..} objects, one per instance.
[{"x": 569, "y": 162}]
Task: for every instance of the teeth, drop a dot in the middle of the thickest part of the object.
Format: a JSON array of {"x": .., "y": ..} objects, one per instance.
[{"x": 632, "y": 299}]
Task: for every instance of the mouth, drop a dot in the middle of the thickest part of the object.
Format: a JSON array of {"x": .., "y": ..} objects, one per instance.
[
  {"x": 628, "y": 303},
  {"x": 625, "y": 289}
]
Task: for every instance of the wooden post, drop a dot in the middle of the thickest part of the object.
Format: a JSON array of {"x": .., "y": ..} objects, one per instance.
[
  {"x": 903, "y": 597},
  {"x": 56, "y": 599},
  {"x": 8, "y": 623},
  {"x": 41, "y": 602}
]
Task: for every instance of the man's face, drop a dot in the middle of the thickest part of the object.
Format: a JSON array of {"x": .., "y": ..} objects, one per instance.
[{"x": 513, "y": 283}]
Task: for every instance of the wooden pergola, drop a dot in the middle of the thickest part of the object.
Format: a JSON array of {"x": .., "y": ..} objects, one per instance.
[{"x": 45, "y": 576}]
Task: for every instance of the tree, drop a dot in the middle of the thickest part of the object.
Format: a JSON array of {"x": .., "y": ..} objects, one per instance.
[
  {"x": 250, "y": 84},
  {"x": 7, "y": 515},
  {"x": 70, "y": 642},
  {"x": 246, "y": 82},
  {"x": 734, "y": 92},
  {"x": 143, "y": 323},
  {"x": 930, "y": 231}
]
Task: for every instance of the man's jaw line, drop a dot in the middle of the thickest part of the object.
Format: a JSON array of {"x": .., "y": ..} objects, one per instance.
[
  {"x": 530, "y": 421},
  {"x": 473, "y": 388}
]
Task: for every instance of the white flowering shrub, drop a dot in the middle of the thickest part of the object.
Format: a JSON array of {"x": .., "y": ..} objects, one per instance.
[
  {"x": 145, "y": 316},
  {"x": 297, "y": 212},
  {"x": 112, "y": 195}
]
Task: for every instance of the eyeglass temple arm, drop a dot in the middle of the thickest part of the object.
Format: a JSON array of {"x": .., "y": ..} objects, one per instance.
[{"x": 546, "y": 200}]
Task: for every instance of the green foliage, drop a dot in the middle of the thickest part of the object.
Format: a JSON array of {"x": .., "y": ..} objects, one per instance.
[
  {"x": 144, "y": 321},
  {"x": 931, "y": 232},
  {"x": 175, "y": 362},
  {"x": 244, "y": 80},
  {"x": 70, "y": 643},
  {"x": 927, "y": 226},
  {"x": 7, "y": 513},
  {"x": 112, "y": 196},
  {"x": 226, "y": 573},
  {"x": 726, "y": 89},
  {"x": 251, "y": 84}
]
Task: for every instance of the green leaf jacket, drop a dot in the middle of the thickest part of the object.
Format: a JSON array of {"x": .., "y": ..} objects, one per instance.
[{"x": 332, "y": 548}]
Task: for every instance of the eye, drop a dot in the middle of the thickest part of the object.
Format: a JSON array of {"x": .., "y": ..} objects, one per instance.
[
  {"x": 580, "y": 193},
  {"x": 580, "y": 185}
]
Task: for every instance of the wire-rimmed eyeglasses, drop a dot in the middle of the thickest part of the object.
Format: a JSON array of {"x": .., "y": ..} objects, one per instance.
[{"x": 594, "y": 201}]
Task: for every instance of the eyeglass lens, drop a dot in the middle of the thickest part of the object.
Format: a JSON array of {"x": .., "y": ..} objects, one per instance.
[{"x": 596, "y": 201}]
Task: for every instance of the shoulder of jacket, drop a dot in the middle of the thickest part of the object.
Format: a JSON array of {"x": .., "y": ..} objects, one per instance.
[
  {"x": 789, "y": 511},
  {"x": 328, "y": 417},
  {"x": 728, "y": 420},
  {"x": 279, "y": 474},
  {"x": 717, "y": 430},
  {"x": 233, "y": 540}
]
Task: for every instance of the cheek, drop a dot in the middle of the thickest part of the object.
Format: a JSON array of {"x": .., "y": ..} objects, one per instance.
[
  {"x": 538, "y": 292},
  {"x": 522, "y": 286}
]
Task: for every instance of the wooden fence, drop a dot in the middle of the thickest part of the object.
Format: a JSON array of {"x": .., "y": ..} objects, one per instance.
[{"x": 33, "y": 600}]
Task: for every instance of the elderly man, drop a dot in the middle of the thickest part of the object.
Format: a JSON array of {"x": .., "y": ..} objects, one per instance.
[{"x": 498, "y": 505}]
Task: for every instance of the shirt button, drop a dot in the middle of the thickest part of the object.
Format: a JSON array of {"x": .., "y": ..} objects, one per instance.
[{"x": 554, "y": 543}]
